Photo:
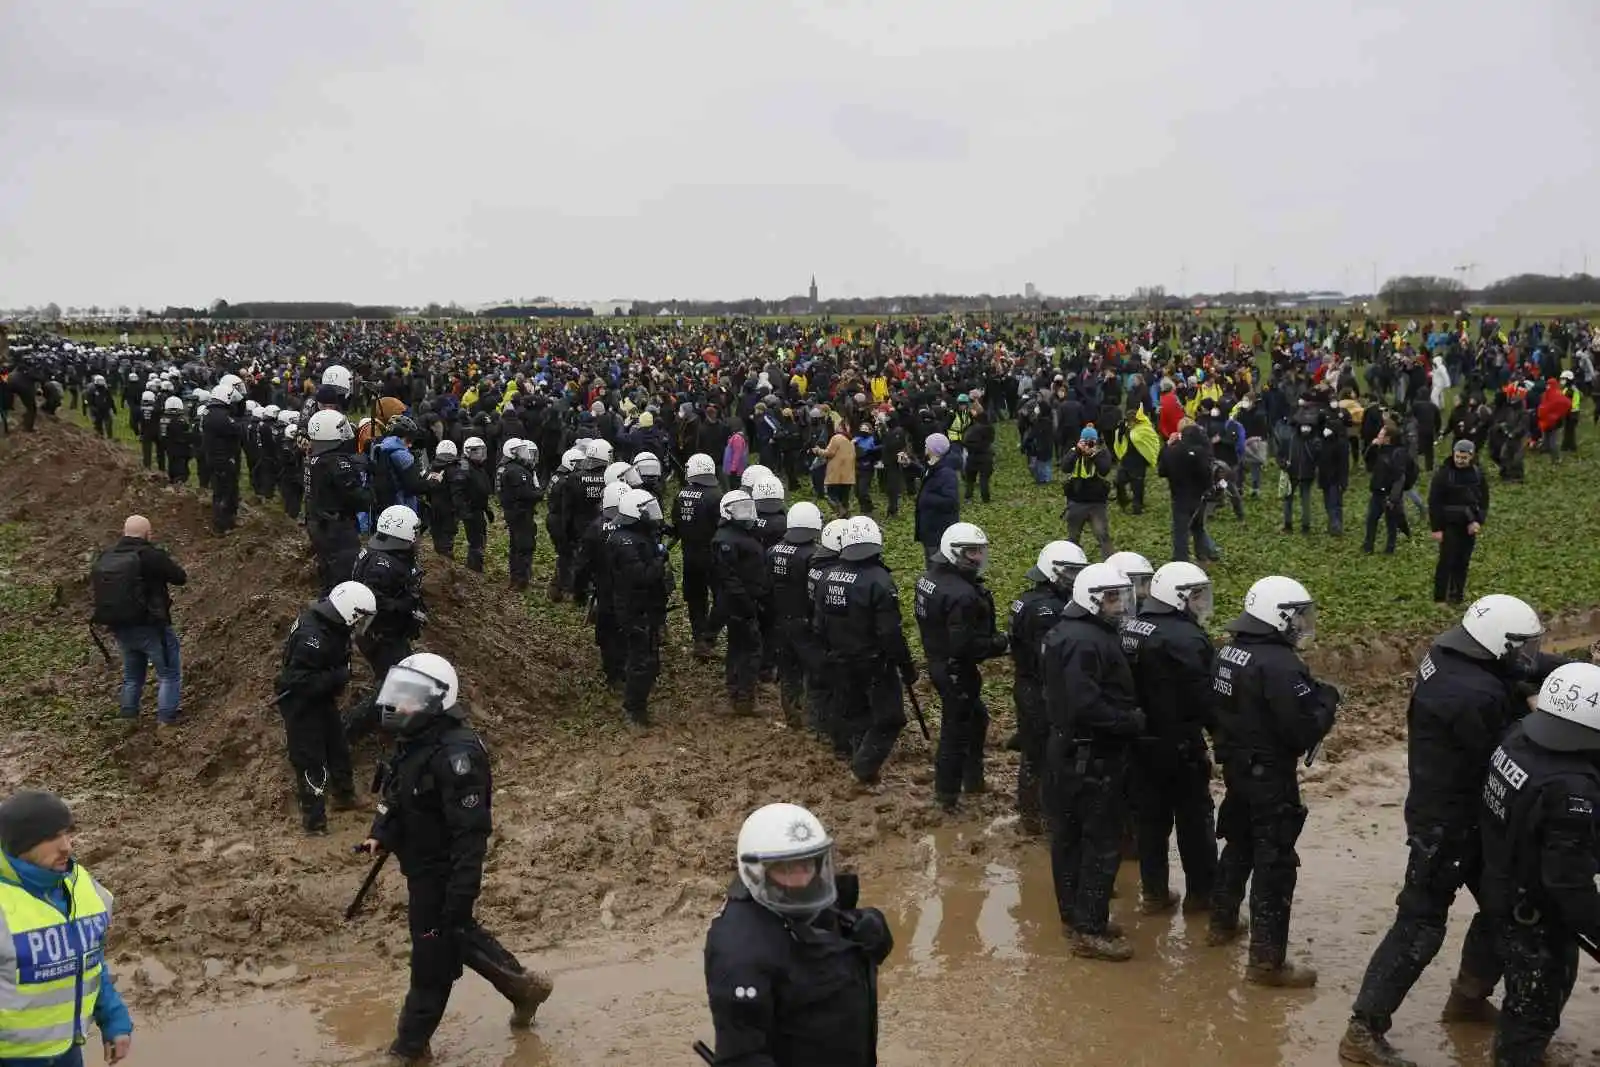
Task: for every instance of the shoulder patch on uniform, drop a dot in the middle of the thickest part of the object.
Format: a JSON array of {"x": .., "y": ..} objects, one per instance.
[
  {"x": 471, "y": 800},
  {"x": 1579, "y": 806},
  {"x": 1302, "y": 688},
  {"x": 313, "y": 642},
  {"x": 461, "y": 764},
  {"x": 1426, "y": 669}
]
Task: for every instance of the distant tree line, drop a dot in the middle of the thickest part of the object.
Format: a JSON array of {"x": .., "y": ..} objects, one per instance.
[{"x": 536, "y": 313}]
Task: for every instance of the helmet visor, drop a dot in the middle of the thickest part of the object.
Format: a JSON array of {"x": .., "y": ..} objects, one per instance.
[
  {"x": 1304, "y": 623},
  {"x": 1141, "y": 585},
  {"x": 799, "y": 886},
  {"x": 1200, "y": 602},
  {"x": 1524, "y": 649},
  {"x": 974, "y": 558},
  {"x": 742, "y": 511},
  {"x": 407, "y": 695},
  {"x": 1115, "y": 602}
]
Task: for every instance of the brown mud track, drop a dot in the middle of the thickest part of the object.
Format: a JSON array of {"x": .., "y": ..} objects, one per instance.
[{"x": 599, "y": 829}]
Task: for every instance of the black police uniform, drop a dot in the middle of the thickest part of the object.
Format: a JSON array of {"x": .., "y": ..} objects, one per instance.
[
  {"x": 264, "y": 471},
  {"x": 585, "y": 491},
  {"x": 855, "y": 612},
  {"x": 769, "y": 529},
  {"x": 820, "y": 703},
  {"x": 1033, "y": 614},
  {"x": 396, "y": 583},
  {"x": 1090, "y": 702},
  {"x": 101, "y": 406},
  {"x": 1171, "y": 784},
  {"x": 443, "y": 523},
  {"x": 470, "y": 487},
  {"x": 178, "y": 440},
  {"x": 1539, "y": 866},
  {"x": 221, "y": 438},
  {"x": 555, "y": 524},
  {"x": 316, "y": 668},
  {"x": 336, "y": 492},
  {"x": 694, "y": 518},
  {"x": 740, "y": 579},
  {"x": 789, "y": 608},
  {"x": 519, "y": 492},
  {"x": 1270, "y": 713},
  {"x": 955, "y": 615},
  {"x": 786, "y": 993},
  {"x": 291, "y": 475},
  {"x": 640, "y": 582},
  {"x": 592, "y": 585},
  {"x": 435, "y": 817},
  {"x": 1457, "y": 498},
  {"x": 150, "y": 445}
]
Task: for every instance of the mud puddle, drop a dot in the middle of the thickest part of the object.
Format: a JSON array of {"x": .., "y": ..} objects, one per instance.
[{"x": 980, "y": 974}]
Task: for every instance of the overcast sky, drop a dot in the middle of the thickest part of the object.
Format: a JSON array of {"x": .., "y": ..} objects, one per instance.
[{"x": 176, "y": 151}]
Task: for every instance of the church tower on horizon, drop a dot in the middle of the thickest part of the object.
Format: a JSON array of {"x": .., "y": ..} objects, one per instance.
[{"x": 813, "y": 292}]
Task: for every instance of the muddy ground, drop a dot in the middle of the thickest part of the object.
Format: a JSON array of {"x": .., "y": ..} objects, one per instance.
[{"x": 601, "y": 832}]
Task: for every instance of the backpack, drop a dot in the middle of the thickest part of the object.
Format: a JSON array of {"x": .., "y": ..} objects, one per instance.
[{"x": 117, "y": 584}]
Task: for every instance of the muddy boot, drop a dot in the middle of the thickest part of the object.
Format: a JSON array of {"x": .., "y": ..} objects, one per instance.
[
  {"x": 1469, "y": 1001},
  {"x": 1113, "y": 928},
  {"x": 703, "y": 650},
  {"x": 743, "y": 707},
  {"x": 792, "y": 714},
  {"x": 972, "y": 781},
  {"x": 397, "y": 1054},
  {"x": 345, "y": 799},
  {"x": 947, "y": 802},
  {"x": 1106, "y": 946},
  {"x": 1196, "y": 903},
  {"x": 553, "y": 590},
  {"x": 526, "y": 992},
  {"x": 1225, "y": 931},
  {"x": 1157, "y": 903},
  {"x": 1361, "y": 1044},
  {"x": 1281, "y": 975}
]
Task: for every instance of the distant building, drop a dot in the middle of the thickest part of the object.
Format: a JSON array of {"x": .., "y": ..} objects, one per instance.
[
  {"x": 1030, "y": 292},
  {"x": 813, "y": 292}
]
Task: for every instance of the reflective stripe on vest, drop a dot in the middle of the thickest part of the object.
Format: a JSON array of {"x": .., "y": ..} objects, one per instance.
[{"x": 50, "y": 967}]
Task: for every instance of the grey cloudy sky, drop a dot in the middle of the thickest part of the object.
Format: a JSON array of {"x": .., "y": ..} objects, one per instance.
[{"x": 174, "y": 151}]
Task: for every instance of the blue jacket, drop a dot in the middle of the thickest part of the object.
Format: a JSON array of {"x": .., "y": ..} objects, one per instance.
[
  {"x": 110, "y": 1013},
  {"x": 938, "y": 504},
  {"x": 397, "y": 454}
]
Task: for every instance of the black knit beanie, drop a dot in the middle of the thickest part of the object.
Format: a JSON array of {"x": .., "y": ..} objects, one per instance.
[{"x": 29, "y": 817}]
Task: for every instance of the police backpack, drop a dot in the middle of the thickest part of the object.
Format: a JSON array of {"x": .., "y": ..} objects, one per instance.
[{"x": 117, "y": 584}]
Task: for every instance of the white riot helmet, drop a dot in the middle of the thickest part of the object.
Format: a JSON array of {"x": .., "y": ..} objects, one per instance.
[
  {"x": 768, "y": 495},
  {"x": 1284, "y": 605},
  {"x": 832, "y": 539},
  {"x": 271, "y": 411},
  {"x": 1183, "y": 586},
  {"x": 611, "y": 497},
  {"x": 1505, "y": 626},
  {"x": 397, "y": 527},
  {"x": 861, "y": 540},
  {"x": 597, "y": 450},
  {"x": 647, "y": 465},
  {"x": 338, "y": 378},
  {"x": 571, "y": 458},
  {"x": 415, "y": 690},
  {"x": 290, "y": 431},
  {"x": 638, "y": 505},
  {"x": 174, "y": 403},
  {"x": 99, "y": 379},
  {"x": 529, "y": 453},
  {"x": 753, "y": 475},
  {"x": 624, "y": 473},
  {"x": 1104, "y": 591},
  {"x": 1059, "y": 563},
  {"x": 1137, "y": 568},
  {"x": 355, "y": 604},
  {"x": 965, "y": 547},
  {"x": 786, "y": 861},
  {"x": 252, "y": 408},
  {"x": 700, "y": 466},
  {"x": 737, "y": 508},
  {"x": 147, "y": 397},
  {"x": 474, "y": 448},
  {"x": 228, "y": 381},
  {"x": 328, "y": 430},
  {"x": 510, "y": 447},
  {"x": 289, "y": 418},
  {"x": 445, "y": 452},
  {"x": 805, "y": 523},
  {"x": 1566, "y": 715}
]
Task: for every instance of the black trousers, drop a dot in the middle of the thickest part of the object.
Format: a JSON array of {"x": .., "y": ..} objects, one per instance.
[
  {"x": 519, "y": 553},
  {"x": 697, "y": 591},
  {"x": 1129, "y": 477},
  {"x": 787, "y": 635},
  {"x": 1033, "y": 732},
  {"x": 177, "y": 468},
  {"x": 963, "y": 725},
  {"x": 293, "y": 493},
  {"x": 609, "y": 640},
  {"x": 202, "y": 469},
  {"x": 641, "y": 644},
  {"x": 979, "y": 475},
  {"x": 153, "y": 454},
  {"x": 318, "y": 753},
  {"x": 1379, "y": 506},
  {"x": 337, "y": 543},
  {"x": 1086, "y": 805},
  {"x": 1441, "y": 862},
  {"x": 477, "y": 528},
  {"x": 445, "y": 527},
  {"x": 868, "y": 713},
  {"x": 1172, "y": 790},
  {"x": 438, "y": 956},
  {"x": 1260, "y": 821},
  {"x": 1541, "y": 963},
  {"x": 224, "y": 495},
  {"x": 1455, "y": 555},
  {"x": 742, "y": 663}
]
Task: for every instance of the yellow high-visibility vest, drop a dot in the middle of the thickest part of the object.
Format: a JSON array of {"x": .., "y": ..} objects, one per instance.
[{"x": 50, "y": 965}]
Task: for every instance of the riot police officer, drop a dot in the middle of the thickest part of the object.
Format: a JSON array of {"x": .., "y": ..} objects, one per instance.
[
  {"x": 592, "y": 584},
  {"x": 789, "y": 606},
  {"x": 442, "y": 518},
  {"x": 176, "y": 439},
  {"x": 855, "y": 612},
  {"x": 316, "y": 668},
  {"x": 470, "y": 490},
  {"x": 221, "y": 439},
  {"x": 1466, "y": 696},
  {"x": 1270, "y": 713},
  {"x": 150, "y": 433},
  {"x": 1171, "y": 785},
  {"x": 336, "y": 493},
  {"x": 695, "y": 514},
  {"x": 556, "y": 524},
  {"x": 1539, "y": 863},
  {"x": 291, "y": 464},
  {"x": 1033, "y": 614},
  {"x": 771, "y": 522},
  {"x": 648, "y": 467},
  {"x": 955, "y": 615},
  {"x": 586, "y": 487},
  {"x": 739, "y": 578},
  {"x": 1094, "y": 719},
  {"x": 388, "y": 566},
  {"x": 821, "y": 708},
  {"x": 436, "y": 817},
  {"x": 517, "y": 484},
  {"x": 791, "y": 963},
  {"x": 640, "y": 582}
]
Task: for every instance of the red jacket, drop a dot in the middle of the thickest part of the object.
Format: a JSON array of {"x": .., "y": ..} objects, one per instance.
[
  {"x": 1170, "y": 415},
  {"x": 1554, "y": 406}
]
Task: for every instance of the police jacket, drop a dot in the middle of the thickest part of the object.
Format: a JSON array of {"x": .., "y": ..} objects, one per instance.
[
  {"x": 1269, "y": 708},
  {"x": 584, "y": 490},
  {"x": 1458, "y": 496},
  {"x": 640, "y": 579},
  {"x": 694, "y": 516},
  {"x": 555, "y": 509},
  {"x": 441, "y": 496},
  {"x": 794, "y": 994},
  {"x": 1033, "y": 614},
  {"x": 316, "y": 659},
  {"x": 955, "y": 615},
  {"x": 435, "y": 811},
  {"x": 739, "y": 573},
  {"x": 1171, "y": 657},
  {"x": 519, "y": 489},
  {"x": 176, "y": 436},
  {"x": 469, "y": 488},
  {"x": 336, "y": 486},
  {"x": 1089, "y": 691},
  {"x": 290, "y": 462},
  {"x": 788, "y": 566},
  {"x": 220, "y": 435},
  {"x": 149, "y": 423},
  {"x": 770, "y": 527},
  {"x": 855, "y": 610},
  {"x": 99, "y": 400},
  {"x": 396, "y": 583},
  {"x": 589, "y": 566},
  {"x": 1537, "y": 817}
]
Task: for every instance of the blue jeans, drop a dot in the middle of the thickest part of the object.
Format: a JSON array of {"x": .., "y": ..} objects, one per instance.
[
  {"x": 1041, "y": 471},
  {"x": 142, "y": 647}
]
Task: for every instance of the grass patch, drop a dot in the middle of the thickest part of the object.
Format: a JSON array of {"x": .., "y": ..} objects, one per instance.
[{"x": 33, "y": 648}]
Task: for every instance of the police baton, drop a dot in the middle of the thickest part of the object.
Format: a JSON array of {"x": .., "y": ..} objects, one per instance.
[
  {"x": 1590, "y": 949},
  {"x": 916, "y": 709},
  {"x": 366, "y": 886},
  {"x": 703, "y": 1050}
]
